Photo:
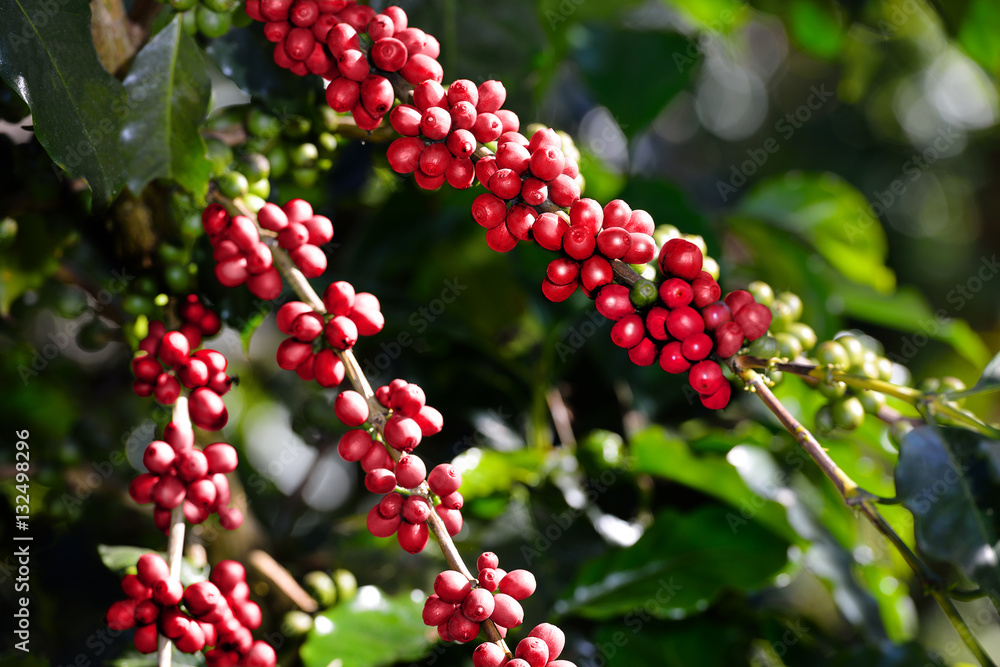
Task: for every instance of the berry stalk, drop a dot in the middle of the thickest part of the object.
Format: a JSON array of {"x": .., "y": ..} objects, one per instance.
[{"x": 175, "y": 545}]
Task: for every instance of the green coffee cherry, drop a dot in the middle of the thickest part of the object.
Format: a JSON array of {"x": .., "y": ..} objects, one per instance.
[
  {"x": 304, "y": 155},
  {"x": 788, "y": 345},
  {"x": 347, "y": 585},
  {"x": 762, "y": 292},
  {"x": 189, "y": 22},
  {"x": 261, "y": 188},
  {"x": 765, "y": 347},
  {"x": 190, "y": 226},
  {"x": 327, "y": 143},
  {"x": 305, "y": 177},
  {"x": 804, "y": 333},
  {"x": 831, "y": 352},
  {"x": 172, "y": 254},
  {"x": 220, "y": 5},
  {"x": 296, "y": 623},
  {"x": 137, "y": 304},
  {"x": 330, "y": 120},
  {"x": 278, "y": 158},
  {"x": 178, "y": 278},
  {"x": 884, "y": 368},
  {"x": 213, "y": 24},
  {"x": 794, "y": 304},
  {"x": 233, "y": 184},
  {"x": 776, "y": 376},
  {"x": 833, "y": 389},
  {"x": 898, "y": 432},
  {"x": 663, "y": 233},
  {"x": 254, "y": 202},
  {"x": 781, "y": 316},
  {"x": 949, "y": 383},
  {"x": 872, "y": 401},
  {"x": 711, "y": 267},
  {"x": 263, "y": 124},
  {"x": 644, "y": 293},
  {"x": 254, "y": 166},
  {"x": 824, "y": 420},
  {"x": 855, "y": 350},
  {"x": 297, "y": 127},
  {"x": 219, "y": 155},
  {"x": 848, "y": 413},
  {"x": 321, "y": 587}
]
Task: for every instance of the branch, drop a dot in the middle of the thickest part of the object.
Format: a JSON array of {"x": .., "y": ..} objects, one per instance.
[
  {"x": 282, "y": 580},
  {"x": 175, "y": 547}
]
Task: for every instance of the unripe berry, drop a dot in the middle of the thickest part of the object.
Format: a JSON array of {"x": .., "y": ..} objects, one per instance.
[
  {"x": 519, "y": 584},
  {"x": 351, "y": 408},
  {"x": 507, "y": 611},
  {"x": 672, "y": 359},
  {"x": 444, "y": 479},
  {"x": 478, "y": 605}
]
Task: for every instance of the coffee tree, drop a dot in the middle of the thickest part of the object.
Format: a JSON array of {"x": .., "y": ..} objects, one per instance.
[{"x": 214, "y": 247}]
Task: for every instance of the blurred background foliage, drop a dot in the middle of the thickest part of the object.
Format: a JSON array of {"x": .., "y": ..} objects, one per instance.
[{"x": 846, "y": 152}]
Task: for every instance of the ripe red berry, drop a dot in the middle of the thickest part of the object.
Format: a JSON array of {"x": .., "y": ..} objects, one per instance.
[
  {"x": 343, "y": 94},
  {"x": 436, "y": 611},
  {"x": 202, "y": 494},
  {"x": 706, "y": 377},
  {"x": 380, "y": 526},
  {"x": 341, "y": 333},
  {"x": 192, "y": 464},
  {"x": 719, "y": 399},
  {"x": 553, "y": 637},
  {"x": 644, "y": 353},
  {"x": 158, "y": 457},
  {"x": 169, "y": 492},
  {"x": 167, "y": 592},
  {"x": 328, "y": 370},
  {"x": 151, "y": 568},
  {"x": 676, "y": 292},
  {"x": 563, "y": 190},
  {"x": 487, "y": 127},
  {"x": 389, "y": 54},
  {"x": 452, "y": 586},
  {"x": 715, "y": 315},
  {"x": 500, "y": 239},
  {"x": 452, "y": 519},
  {"x": 696, "y": 347},
  {"x": 706, "y": 290},
  {"x": 613, "y": 302},
  {"x": 415, "y": 509},
  {"x": 488, "y": 578},
  {"x": 507, "y": 611},
  {"x": 380, "y": 481},
  {"x": 489, "y": 210},
  {"x": 492, "y": 95},
  {"x": 230, "y": 518},
  {"x": 683, "y": 322},
  {"x": 461, "y": 628},
  {"x": 355, "y": 445},
  {"x": 207, "y": 409},
  {"x": 121, "y": 615},
  {"x": 728, "y": 339},
  {"x": 680, "y": 258},
  {"x": 429, "y": 420},
  {"x": 533, "y": 651},
  {"x": 366, "y": 314},
  {"x": 579, "y": 242},
  {"x": 146, "y": 639},
  {"x": 478, "y": 605},
  {"x": 174, "y": 348},
  {"x": 488, "y": 655},
  {"x": 672, "y": 359},
  {"x": 595, "y": 272},
  {"x": 351, "y": 408},
  {"x": 656, "y": 322},
  {"x": 562, "y": 271},
  {"x": 628, "y": 331},
  {"x": 614, "y": 242},
  {"x": 444, "y": 479},
  {"x": 737, "y": 299},
  {"x": 291, "y": 353},
  {"x": 755, "y": 318},
  {"x": 519, "y": 584}
]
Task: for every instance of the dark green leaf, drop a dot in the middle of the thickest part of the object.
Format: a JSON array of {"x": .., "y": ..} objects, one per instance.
[
  {"x": 988, "y": 381},
  {"x": 948, "y": 525},
  {"x": 48, "y": 56},
  {"x": 832, "y": 216},
  {"x": 168, "y": 94},
  {"x": 633, "y": 96},
  {"x": 487, "y": 471},
  {"x": 655, "y": 452},
  {"x": 681, "y": 563},
  {"x": 373, "y": 629},
  {"x": 978, "y": 34}
]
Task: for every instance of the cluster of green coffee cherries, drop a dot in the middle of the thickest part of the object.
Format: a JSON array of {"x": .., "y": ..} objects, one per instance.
[
  {"x": 211, "y": 18},
  {"x": 849, "y": 352},
  {"x": 329, "y": 590}
]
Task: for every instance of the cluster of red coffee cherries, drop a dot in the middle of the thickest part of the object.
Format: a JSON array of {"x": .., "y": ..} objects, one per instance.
[
  {"x": 216, "y": 613},
  {"x": 242, "y": 257},
  {"x": 541, "y": 648},
  {"x": 181, "y": 473},
  {"x": 314, "y": 337},
  {"x": 167, "y": 365}
]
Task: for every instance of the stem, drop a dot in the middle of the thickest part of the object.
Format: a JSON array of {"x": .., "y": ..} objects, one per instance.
[
  {"x": 282, "y": 580},
  {"x": 175, "y": 546},
  {"x": 855, "y": 496},
  {"x": 377, "y": 412}
]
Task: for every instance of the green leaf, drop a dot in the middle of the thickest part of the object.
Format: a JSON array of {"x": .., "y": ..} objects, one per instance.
[
  {"x": 832, "y": 216},
  {"x": 948, "y": 525},
  {"x": 487, "y": 471},
  {"x": 118, "y": 559},
  {"x": 632, "y": 96},
  {"x": 988, "y": 381},
  {"x": 373, "y": 629},
  {"x": 655, "y": 452},
  {"x": 978, "y": 34},
  {"x": 715, "y": 16},
  {"x": 168, "y": 94},
  {"x": 682, "y": 562},
  {"x": 907, "y": 310},
  {"x": 48, "y": 56},
  {"x": 816, "y": 27},
  {"x": 30, "y": 251}
]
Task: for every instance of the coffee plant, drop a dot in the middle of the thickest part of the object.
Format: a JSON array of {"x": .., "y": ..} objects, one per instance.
[{"x": 247, "y": 244}]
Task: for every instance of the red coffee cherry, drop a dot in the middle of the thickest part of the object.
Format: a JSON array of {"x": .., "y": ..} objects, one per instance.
[
  {"x": 453, "y": 501},
  {"x": 595, "y": 272},
  {"x": 492, "y": 95},
  {"x": 121, "y": 615},
  {"x": 579, "y": 242},
  {"x": 461, "y": 628},
  {"x": 436, "y": 611},
  {"x": 478, "y": 605},
  {"x": 146, "y": 368},
  {"x": 366, "y": 314},
  {"x": 500, "y": 239},
  {"x": 705, "y": 289},
  {"x": 452, "y": 586},
  {"x": 754, "y": 318},
  {"x": 444, "y": 479},
  {"x": 488, "y": 655},
  {"x": 267, "y": 285},
  {"x": 728, "y": 339},
  {"x": 292, "y": 353},
  {"x": 146, "y": 639},
  {"x": 427, "y": 94},
  {"x": 507, "y": 611},
  {"x": 380, "y": 526},
  {"x": 169, "y": 492},
  {"x": 563, "y": 190},
  {"x": 706, "y": 377},
  {"x": 390, "y": 505},
  {"x": 158, "y": 457},
  {"x": 191, "y": 465},
  {"x": 355, "y": 445},
  {"x": 380, "y": 481},
  {"x": 533, "y": 651},
  {"x": 628, "y": 331},
  {"x": 644, "y": 353},
  {"x": 656, "y": 323},
  {"x": 135, "y": 589},
  {"x": 151, "y": 569},
  {"x": 320, "y": 229},
  {"x": 226, "y": 574},
  {"x": 696, "y": 347},
  {"x": 452, "y": 519},
  {"x": 167, "y": 389},
  {"x": 410, "y": 471},
  {"x": 680, "y": 258},
  {"x": 222, "y": 457},
  {"x": 737, "y": 299},
  {"x": 389, "y": 54},
  {"x": 341, "y": 333},
  {"x": 202, "y": 494},
  {"x": 715, "y": 315},
  {"x": 351, "y": 408},
  {"x": 719, "y": 399},
  {"x": 489, "y": 579},
  {"x": 168, "y": 592},
  {"x": 207, "y": 409},
  {"x": 343, "y": 94},
  {"x": 174, "y": 348},
  {"x": 554, "y": 638},
  {"x": 676, "y": 292},
  {"x": 613, "y": 302},
  {"x": 415, "y": 509},
  {"x": 230, "y": 518},
  {"x": 672, "y": 359},
  {"x": 683, "y": 322},
  {"x": 519, "y": 584}
]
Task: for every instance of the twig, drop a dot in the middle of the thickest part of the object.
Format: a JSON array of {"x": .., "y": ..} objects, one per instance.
[
  {"x": 175, "y": 546},
  {"x": 282, "y": 580},
  {"x": 560, "y": 417}
]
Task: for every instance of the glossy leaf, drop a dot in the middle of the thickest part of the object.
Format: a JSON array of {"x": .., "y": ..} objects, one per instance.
[
  {"x": 632, "y": 96},
  {"x": 832, "y": 216},
  {"x": 931, "y": 482},
  {"x": 988, "y": 381},
  {"x": 373, "y": 629},
  {"x": 486, "y": 471},
  {"x": 47, "y": 55},
  {"x": 681, "y": 563},
  {"x": 168, "y": 94}
]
